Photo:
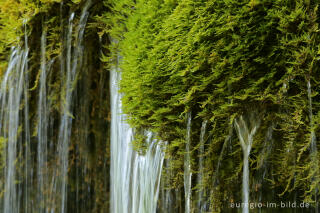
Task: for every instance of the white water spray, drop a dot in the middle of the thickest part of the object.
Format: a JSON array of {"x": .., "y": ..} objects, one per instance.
[
  {"x": 246, "y": 139},
  {"x": 43, "y": 121},
  {"x": 73, "y": 64},
  {"x": 201, "y": 201},
  {"x": 313, "y": 145},
  {"x": 11, "y": 97},
  {"x": 187, "y": 168},
  {"x": 135, "y": 178}
]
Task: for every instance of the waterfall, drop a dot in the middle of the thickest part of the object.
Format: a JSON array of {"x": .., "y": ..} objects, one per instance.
[
  {"x": 166, "y": 195},
  {"x": 73, "y": 64},
  {"x": 66, "y": 124},
  {"x": 313, "y": 144},
  {"x": 27, "y": 156},
  {"x": 201, "y": 202},
  {"x": 146, "y": 177},
  {"x": 263, "y": 163},
  {"x": 215, "y": 179},
  {"x": 11, "y": 96},
  {"x": 187, "y": 168},
  {"x": 246, "y": 139},
  {"x": 135, "y": 178},
  {"x": 42, "y": 129},
  {"x": 50, "y": 170},
  {"x": 313, "y": 139}
]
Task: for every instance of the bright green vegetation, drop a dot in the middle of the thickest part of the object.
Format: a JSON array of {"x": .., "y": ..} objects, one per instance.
[
  {"x": 218, "y": 60},
  {"x": 12, "y": 15}
]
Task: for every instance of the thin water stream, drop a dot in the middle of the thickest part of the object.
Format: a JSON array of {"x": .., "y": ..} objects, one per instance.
[{"x": 246, "y": 130}]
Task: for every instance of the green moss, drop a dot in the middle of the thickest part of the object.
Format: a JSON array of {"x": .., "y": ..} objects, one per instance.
[{"x": 219, "y": 59}]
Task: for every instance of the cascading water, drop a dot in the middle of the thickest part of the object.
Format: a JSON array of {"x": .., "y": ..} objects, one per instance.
[
  {"x": 166, "y": 194},
  {"x": 146, "y": 177},
  {"x": 263, "y": 163},
  {"x": 40, "y": 169},
  {"x": 313, "y": 143},
  {"x": 43, "y": 121},
  {"x": 187, "y": 167},
  {"x": 135, "y": 178},
  {"x": 65, "y": 125},
  {"x": 313, "y": 139},
  {"x": 246, "y": 139},
  {"x": 201, "y": 203},
  {"x": 215, "y": 178},
  {"x": 121, "y": 154},
  {"x": 27, "y": 156},
  {"x": 73, "y": 64},
  {"x": 11, "y": 96}
]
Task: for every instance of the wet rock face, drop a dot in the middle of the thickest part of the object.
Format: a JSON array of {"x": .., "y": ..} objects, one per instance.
[{"x": 57, "y": 100}]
